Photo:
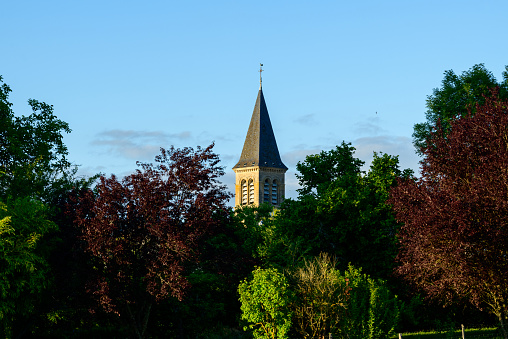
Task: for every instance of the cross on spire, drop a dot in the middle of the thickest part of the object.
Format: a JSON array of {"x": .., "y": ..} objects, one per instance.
[{"x": 260, "y": 79}]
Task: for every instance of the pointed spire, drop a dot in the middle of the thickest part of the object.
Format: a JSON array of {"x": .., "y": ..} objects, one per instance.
[{"x": 260, "y": 148}]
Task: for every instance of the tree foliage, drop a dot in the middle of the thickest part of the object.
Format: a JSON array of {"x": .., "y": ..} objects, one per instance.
[
  {"x": 315, "y": 299},
  {"x": 33, "y": 157},
  {"x": 35, "y": 178},
  {"x": 455, "y": 235},
  {"x": 346, "y": 214},
  {"x": 23, "y": 259},
  {"x": 322, "y": 296},
  {"x": 457, "y": 96},
  {"x": 372, "y": 310},
  {"x": 143, "y": 229},
  {"x": 319, "y": 170},
  {"x": 266, "y": 300}
]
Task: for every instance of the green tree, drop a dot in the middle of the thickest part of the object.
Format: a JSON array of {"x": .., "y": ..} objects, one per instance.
[
  {"x": 33, "y": 157},
  {"x": 23, "y": 260},
  {"x": 458, "y": 95},
  {"x": 266, "y": 300},
  {"x": 320, "y": 170},
  {"x": 322, "y": 295},
  {"x": 345, "y": 215},
  {"x": 372, "y": 310},
  {"x": 34, "y": 173},
  {"x": 252, "y": 226}
]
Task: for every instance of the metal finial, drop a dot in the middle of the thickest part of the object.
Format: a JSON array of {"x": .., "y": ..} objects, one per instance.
[{"x": 260, "y": 79}]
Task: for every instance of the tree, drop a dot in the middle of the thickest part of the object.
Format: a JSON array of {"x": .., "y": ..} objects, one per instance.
[
  {"x": 322, "y": 296},
  {"x": 35, "y": 176},
  {"x": 340, "y": 211},
  {"x": 23, "y": 261},
  {"x": 319, "y": 170},
  {"x": 266, "y": 300},
  {"x": 315, "y": 299},
  {"x": 33, "y": 157},
  {"x": 458, "y": 95},
  {"x": 143, "y": 229},
  {"x": 455, "y": 235},
  {"x": 372, "y": 310}
]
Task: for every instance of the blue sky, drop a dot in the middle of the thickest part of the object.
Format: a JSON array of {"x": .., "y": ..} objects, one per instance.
[{"x": 132, "y": 76}]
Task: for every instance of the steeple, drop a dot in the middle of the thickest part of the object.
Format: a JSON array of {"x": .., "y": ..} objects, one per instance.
[
  {"x": 260, "y": 147},
  {"x": 260, "y": 171}
]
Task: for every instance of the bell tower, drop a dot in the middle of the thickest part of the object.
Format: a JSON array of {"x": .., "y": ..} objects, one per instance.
[{"x": 260, "y": 172}]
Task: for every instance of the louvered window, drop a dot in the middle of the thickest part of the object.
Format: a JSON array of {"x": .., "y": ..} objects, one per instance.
[
  {"x": 244, "y": 192},
  {"x": 274, "y": 193},
  {"x": 251, "y": 191},
  {"x": 266, "y": 191}
]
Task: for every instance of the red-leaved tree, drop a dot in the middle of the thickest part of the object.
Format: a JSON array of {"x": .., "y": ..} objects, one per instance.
[
  {"x": 454, "y": 241},
  {"x": 142, "y": 230}
]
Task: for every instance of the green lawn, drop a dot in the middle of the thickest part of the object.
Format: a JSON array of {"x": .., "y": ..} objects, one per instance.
[{"x": 484, "y": 333}]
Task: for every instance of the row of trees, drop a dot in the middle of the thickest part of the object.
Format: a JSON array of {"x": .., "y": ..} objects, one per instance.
[
  {"x": 444, "y": 233},
  {"x": 158, "y": 253}
]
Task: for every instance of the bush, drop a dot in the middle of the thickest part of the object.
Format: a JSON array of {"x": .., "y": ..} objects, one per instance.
[
  {"x": 372, "y": 312},
  {"x": 266, "y": 301},
  {"x": 322, "y": 294}
]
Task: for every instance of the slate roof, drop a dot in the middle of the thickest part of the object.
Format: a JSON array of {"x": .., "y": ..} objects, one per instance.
[{"x": 260, "y": 148}]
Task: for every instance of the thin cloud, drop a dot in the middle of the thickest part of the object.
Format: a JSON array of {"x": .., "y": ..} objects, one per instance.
[
  {"x": 292, "y": 184},
  {"x": 137, "y": 145},
  {"x": 307, "y": 120},
  {"x": 291, "y": 158},
  {"x": 392, "y": 145},
  {"x": 370, "y": 127}
]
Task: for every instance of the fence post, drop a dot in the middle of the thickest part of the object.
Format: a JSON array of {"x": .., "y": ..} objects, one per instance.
[
  {"x": 463, "y": 336},
  {"x": 330, "y": 336},
  {"x": 400, "y": 335}
]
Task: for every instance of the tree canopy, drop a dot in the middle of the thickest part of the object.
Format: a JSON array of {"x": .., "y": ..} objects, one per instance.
[
  {"x": 143, "y": 229},
  {"x": 23, "y": 259},
  {"x": 35, "y": 177},
  {"x": 457, "y": 96},
  {"x": 319, "y": 170},
  {"x": 340, "y": 211},
  {"x": 455, "y": 234},
  {"x": 33, "y": 157}
]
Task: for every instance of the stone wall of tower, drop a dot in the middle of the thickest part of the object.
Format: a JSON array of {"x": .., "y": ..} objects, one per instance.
[
  {"x": 259, "y": 175},
  {"x": 247, "y": 174}
]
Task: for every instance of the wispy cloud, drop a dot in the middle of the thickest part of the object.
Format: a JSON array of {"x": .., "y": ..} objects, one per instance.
[
  {"x": 137, "y": 145},
  {"x": 298, "y": 154},
  {"x": 292, "y": 184},
  {"x": 369, "y": 127},
  {"x": 392, "y": 145},
  {"x": 307, "y": 119}
]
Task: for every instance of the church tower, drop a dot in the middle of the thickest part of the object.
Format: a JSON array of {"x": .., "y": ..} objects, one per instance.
[{"x": 260, "y": 171}]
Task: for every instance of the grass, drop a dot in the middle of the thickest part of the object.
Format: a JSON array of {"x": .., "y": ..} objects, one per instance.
[{"x": 470, "y": 333}]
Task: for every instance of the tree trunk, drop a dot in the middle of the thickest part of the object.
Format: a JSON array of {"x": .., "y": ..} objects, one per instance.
[
  {"x": 139, "y": 321},
  {"x": 146, "y": 315},
  {"x": 503, "y": 325}
]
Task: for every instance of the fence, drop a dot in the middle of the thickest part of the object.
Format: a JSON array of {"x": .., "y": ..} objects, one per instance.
[{"x": 475, "y": 332}]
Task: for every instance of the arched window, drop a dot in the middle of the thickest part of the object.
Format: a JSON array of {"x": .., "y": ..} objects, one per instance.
[
  {"x": 245, "y": 193},
  {"x": 266, "y": 191},
  {"x": 274, "y": 193},
  {"x": 251, "y": 191}
]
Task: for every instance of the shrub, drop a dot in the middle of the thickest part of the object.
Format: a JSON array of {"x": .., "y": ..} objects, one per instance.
[{"x": 266, "y": 300}]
